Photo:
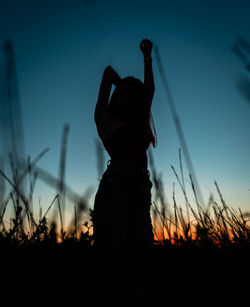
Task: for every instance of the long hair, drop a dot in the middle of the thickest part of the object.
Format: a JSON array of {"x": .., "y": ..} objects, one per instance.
[{"x": 128, "y": 104}]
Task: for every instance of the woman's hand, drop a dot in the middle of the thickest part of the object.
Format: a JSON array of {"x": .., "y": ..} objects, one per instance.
[
  {"x": 146, "y": 47},
  {"x": 112, "y": 75}
]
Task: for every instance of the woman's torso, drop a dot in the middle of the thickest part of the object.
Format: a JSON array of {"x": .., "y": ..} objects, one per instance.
[
  {"x": 124, "y": 142},
  {"x": 129, "y": 144}
]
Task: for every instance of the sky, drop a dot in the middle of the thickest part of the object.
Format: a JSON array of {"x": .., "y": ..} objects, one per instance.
[{"x": 61, "y": 49}]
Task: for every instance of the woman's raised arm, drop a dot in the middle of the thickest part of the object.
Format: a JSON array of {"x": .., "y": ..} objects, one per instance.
[
  {"x": 146, "y": 48},
  {"x": 109, "y": 77}
]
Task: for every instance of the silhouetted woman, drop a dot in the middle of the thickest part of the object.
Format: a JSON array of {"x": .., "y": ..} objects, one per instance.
[{"x": 121, "y": 215}]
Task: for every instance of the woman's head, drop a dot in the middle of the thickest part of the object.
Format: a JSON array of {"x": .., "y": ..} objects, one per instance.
[
  {"x": 128, "y": 104},
  {"x": 128, "y": 101}
]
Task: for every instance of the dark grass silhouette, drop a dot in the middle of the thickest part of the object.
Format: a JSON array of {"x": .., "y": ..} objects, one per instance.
[
  {"x": 242, "y": 50},
  {"x": 204, "y": 254}
]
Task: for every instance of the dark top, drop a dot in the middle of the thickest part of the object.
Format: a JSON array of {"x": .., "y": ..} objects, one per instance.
[{"x": 128, "y": 143}]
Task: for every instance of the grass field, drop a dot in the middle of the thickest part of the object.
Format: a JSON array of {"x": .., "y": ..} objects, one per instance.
[{"x": 200, "y": 253}]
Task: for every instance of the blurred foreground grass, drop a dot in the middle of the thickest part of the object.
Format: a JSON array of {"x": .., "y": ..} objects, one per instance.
[{"x": 197, "y": 251}]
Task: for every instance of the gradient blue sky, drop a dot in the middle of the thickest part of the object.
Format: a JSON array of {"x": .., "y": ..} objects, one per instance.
[{"x": 62, "y": 47}]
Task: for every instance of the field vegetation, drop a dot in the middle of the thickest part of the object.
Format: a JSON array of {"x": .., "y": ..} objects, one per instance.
[{"x": 200, "y": 250}]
